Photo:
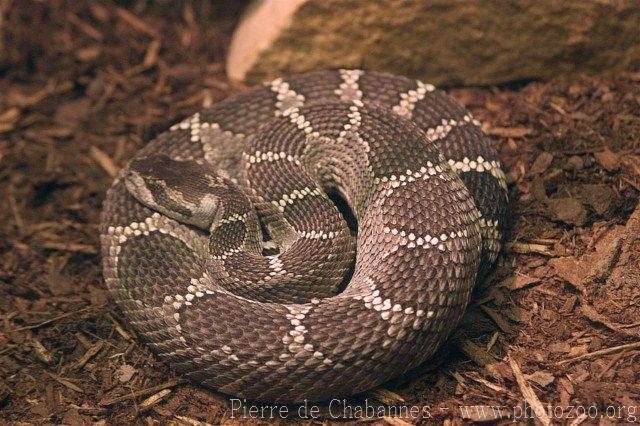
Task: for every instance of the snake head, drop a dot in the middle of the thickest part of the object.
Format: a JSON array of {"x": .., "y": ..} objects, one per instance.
[{"x": 185, "y": 190}]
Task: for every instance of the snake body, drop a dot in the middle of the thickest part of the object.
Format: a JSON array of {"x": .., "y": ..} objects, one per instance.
[{"x": 223, "y": 246}]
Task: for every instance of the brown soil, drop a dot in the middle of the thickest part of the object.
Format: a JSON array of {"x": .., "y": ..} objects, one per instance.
[{"x": 84, "y": 85}]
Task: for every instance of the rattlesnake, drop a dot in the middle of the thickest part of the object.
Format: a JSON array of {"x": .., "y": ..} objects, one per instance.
[{"x": 224, "y": 249}]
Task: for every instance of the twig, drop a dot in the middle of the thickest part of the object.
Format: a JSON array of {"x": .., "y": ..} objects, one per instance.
[
  {"x": 85, "y": 27},
  {"x": 151, "y": 57},
  {"x": 73, "y": 247},
  {"x": 16, "y": 213},
  {"x": 104, "y": 161},
  {"x": 50, "y": 89},
  {"x": 192, "y": 422},
  {"x": 92, "y": 410},
  {"x": 136, "y": 23},
  {"x": 613, "y": 362},
  {"x": 492, "y": 341},
  {"x": 545, "y": 241},
  {"x": 121, "y": 331},
  {"x": 605, "y": 351},
  {"x": 59, "y": 317},
  {"x": 528, "y": 393},
  {"x": 65, "y": 382},
  {"x": 132, "y": 395},
  {"x": 593, "y": 315},
  {"x": 459, "y": 378},
  {"x": 489, "y": 384}
]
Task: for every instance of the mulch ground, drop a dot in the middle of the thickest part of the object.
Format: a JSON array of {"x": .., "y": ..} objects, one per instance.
[{"x": 83, "y": 85}]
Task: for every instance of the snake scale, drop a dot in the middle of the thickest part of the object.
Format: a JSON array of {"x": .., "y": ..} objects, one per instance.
[{"x": 224, "y": 247}]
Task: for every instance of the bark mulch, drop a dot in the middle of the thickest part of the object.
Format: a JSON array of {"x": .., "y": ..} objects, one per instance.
[{"x": 555, "y": 331}]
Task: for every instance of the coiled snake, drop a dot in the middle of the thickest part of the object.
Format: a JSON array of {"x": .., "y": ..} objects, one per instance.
[{"x": 223, "y": 246}]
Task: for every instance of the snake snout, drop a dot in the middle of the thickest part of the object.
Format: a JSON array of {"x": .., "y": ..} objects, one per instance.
[
  {"x": 184, "y": 190},
  {"x": 138, "y": 186}
]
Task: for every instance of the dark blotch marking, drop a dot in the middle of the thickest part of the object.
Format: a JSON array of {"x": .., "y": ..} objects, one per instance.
[
  {"x": 162, "y": 198},
  {"x": 352, "y": 222}
]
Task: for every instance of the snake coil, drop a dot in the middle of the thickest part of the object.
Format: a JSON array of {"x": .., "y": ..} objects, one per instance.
[{"x": 224, "y": 249}]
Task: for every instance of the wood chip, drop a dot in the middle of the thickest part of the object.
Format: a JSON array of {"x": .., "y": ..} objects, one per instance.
[
  {"x": 510, "y": 132},
  {"x": 65, "y": 382},
  {"x": 154, "y": 399},
  {"x": 499, "y": 320},
  {"x": 528, "y": 248},
  {"x": 136, "y": 23},
  {"x": 488, "y": 384},
  {"x": 609, "y": 160},
  {"x": 590, "y": 313},
  {"x": 125, "y": 373},
  {"x": 104, "y": 161},
  {"x": 458, "y": 377},
  {"x": 386, "y": 396},
  {"x": 120, "y": 329},
  {"x": 543, "y": 378},
  {"x": 541, "y": 164},
  {"x": 85, "y": 27},
  {"x": 87, "y": 409},
  {"x": 141, "y": 392},
  {"x": 74, "y": 247},
  {"x": 51, "y": 88},
  {"x": 151, "y": 57},
  {"x": 570, "y": 270},
  {"x": 528, "y": 393},
  {"x": 476, "y": 353},
  {"x": 41, "y": 352},
  {"x": 523, "y": 281},
  {"x": 49, "y": 321},
  {"x": 578, "y": 420},
  {"x": 492, "y": 341},
  {"x": 13, "y": 204},
  {"x": 83, "y": 340},
  {"x": 611, "y": 363},
  {"x": 396, "y": 421},
  {"x": 8, "y": 119},
  {"x": 192, "y": 422},
  {"x": 88, "y": 355}
]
